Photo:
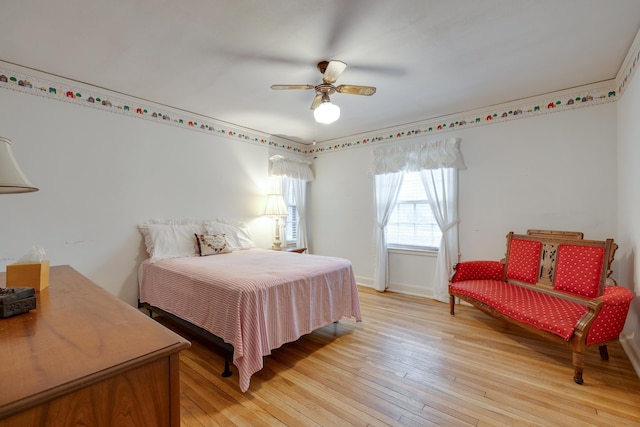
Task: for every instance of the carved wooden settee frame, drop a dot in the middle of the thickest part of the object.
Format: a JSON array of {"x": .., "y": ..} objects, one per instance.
[{"x": 557, "y": 269}]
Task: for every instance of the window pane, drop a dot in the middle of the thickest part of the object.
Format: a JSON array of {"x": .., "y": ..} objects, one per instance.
[
  {"x": 412, "y": 222},
  {"x": 291, "y": 224}
]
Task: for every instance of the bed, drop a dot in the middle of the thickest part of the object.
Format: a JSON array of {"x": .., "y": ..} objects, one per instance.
[{"x": 254, "y": 300}]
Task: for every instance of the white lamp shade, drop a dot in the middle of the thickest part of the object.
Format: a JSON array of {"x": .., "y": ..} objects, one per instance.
[
  {"x": 326, "y": 113},
  {"x": 275, "y": 206},
  {"x": 12, "y": 180}
]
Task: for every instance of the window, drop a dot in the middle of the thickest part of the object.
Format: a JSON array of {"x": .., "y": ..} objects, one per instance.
[
  {"x": 412, "y": 224},
  {"x": 291, "y": 228}
]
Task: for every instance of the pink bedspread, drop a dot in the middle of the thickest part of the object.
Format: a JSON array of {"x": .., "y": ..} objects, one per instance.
[{"x": 255, "y": 300}]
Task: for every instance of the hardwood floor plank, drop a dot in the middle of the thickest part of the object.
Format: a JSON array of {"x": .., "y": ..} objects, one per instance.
[{"x": 410, "y": 363}]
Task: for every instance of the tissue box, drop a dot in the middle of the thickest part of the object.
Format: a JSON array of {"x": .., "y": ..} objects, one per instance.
[{"x": 34, "y": 275}]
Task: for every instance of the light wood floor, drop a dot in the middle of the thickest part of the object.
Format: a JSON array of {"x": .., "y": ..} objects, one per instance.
[{"x": 410, "y": 363}]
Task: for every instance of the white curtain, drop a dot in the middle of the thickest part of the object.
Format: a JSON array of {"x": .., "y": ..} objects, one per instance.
[
  {"x": 299, "y": 188},
  {"x": 290, "y": 167},
  {"x": 444, "y": 153},
  {"x": 285, "y": 188},
  {"x": 438, "y": 161},
  {"x": 441, "y": 186},
  {"x": 385, "y": 197},
  {"x": 295, "y": 174}
]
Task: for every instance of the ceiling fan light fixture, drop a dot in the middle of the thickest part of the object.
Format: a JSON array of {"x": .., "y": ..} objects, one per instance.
[{"x": 326, "y": 112}]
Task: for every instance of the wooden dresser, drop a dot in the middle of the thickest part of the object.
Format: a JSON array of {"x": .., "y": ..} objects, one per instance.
[{"x": 84, "y": 357}]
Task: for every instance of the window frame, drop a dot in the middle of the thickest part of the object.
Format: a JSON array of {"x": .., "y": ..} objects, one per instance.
[{"x": 407, "y": 247}]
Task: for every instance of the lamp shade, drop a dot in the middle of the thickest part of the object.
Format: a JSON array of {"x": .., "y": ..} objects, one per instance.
[
  {"x": 12, "y": 180},
  {"x": 275, "y": 206},
  {"x": 326, "y": 113}
]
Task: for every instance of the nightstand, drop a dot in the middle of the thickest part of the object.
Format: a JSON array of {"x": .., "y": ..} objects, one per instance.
[{"x": 298, "y": 250}]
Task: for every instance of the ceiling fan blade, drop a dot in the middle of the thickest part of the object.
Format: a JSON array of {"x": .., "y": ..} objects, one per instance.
[
  {"x": 285, "y": 87},
  {"x": 316, "y": 101},
  {"x": 333, "y": 71},
  {"x": 356, "y": 90}
]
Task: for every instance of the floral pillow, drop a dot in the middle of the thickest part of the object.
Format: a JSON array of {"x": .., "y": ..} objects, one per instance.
[{"x": 212, "y": 244}]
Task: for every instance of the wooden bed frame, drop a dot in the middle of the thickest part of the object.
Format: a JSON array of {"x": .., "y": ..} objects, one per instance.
[{"x": 226, "y": 348}]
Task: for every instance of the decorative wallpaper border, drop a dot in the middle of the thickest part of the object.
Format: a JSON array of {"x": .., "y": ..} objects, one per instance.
[
  {"x": 589, "y": 95},
  {"x": 630, "y": 65},
  {"x": 65, "y": 92},
  {"x": 469, "y": 119}
]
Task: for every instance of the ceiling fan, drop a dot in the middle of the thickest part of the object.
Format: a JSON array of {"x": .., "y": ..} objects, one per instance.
[{"x": 324, "y": 111}]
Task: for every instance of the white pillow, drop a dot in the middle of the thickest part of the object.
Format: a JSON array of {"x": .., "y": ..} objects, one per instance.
[
  {"x": 242, "y": 232},
  {"x": 230, "y": 232},
  {"x": 145, "y": 232},
  {"x": 172, "y": 241}
]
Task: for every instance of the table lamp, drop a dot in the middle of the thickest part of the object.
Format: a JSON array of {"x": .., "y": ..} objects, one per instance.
[
  {"x": 12, "y": 180},
  {"x": 276, "y": 208}
]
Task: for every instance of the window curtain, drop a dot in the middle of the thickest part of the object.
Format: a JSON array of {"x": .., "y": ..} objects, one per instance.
[
  {"x": 438, "y": 162},
  {"x": 386, "y": 189},
  {"x": 296, "y": 173},
  {"x": 441, "y": 186},
  {"x": 285, "y": 186},
  {"x": 299, "y": 188},
  {"x": 291, "y": 168}
]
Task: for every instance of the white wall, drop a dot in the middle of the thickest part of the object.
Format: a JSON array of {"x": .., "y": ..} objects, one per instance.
[
  {"x": 101, "y": 174},
  {"x": 627, "y": 261},
  {"x": 554, "y": 171}
]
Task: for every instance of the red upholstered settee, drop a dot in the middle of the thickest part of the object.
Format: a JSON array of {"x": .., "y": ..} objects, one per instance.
[{"x": 553, "y": 283}]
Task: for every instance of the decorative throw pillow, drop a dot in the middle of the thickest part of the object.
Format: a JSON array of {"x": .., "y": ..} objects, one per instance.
[
  {"x": 237, "y": 234},
  {"x": 230, "y": 235},
  {"x": 212, "y": 244}
]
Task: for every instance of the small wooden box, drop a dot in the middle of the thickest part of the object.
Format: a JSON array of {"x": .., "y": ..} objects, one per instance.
[{"x": 34, "y": 275}]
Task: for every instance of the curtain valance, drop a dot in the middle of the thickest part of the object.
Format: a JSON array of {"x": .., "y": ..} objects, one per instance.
[
  {"x": 292, "y": 168},
  {"x": 444, "y": 153}
]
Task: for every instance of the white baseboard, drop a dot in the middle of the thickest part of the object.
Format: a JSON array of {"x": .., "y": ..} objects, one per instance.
[
  {"x": 633, "y": 352},
  {"x": 364, "y": 281},
  {"x": 403, "y": 288},
  {"x": 399, "y": 288}
]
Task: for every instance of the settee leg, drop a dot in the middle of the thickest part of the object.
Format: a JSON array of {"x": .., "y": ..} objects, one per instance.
[
  {"x": 452, "y": 304},
  {"x": 578, "y": 365},
  {"x": 604, "y": 353}
]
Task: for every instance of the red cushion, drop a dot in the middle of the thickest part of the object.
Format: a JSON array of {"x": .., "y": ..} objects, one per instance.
[
  {"x": 523, "y": 261},
  {"x": 467, "y": 270},
  {"x": 545, "y": 312},
  {"x": 611, "y": 318},
  {"x": 578, "y": 270}
]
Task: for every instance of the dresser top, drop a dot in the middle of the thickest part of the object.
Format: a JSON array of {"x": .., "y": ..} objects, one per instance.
[{"x": 79, "y": 334}]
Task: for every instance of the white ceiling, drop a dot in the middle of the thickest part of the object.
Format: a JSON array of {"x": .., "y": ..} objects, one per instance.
[{"x": 218, "y": 58}]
